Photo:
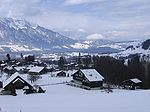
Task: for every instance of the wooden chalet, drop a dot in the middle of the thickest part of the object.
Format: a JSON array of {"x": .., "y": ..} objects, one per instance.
[
  {"x": 88, "y": 77},
  {"x": 132, "y": 83},
  {"x": 16, "y": 81}
]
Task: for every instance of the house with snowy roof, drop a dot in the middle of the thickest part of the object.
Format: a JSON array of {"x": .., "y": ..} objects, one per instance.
[
  {"x": 16, "y": 81},
  {"x": 88, "y": 77},
  {"x": 36, "y": 70},
  {"x": 132, "y": 83},
  {"x": 20, "y": 69},
  {"x": 9, "y": 70}
]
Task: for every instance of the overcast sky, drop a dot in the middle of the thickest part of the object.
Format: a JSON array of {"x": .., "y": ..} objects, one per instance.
[{"x": 108, "y": 19}]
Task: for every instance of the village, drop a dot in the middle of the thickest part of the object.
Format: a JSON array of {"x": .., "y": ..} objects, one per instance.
[{"x": 25, "y": 73}]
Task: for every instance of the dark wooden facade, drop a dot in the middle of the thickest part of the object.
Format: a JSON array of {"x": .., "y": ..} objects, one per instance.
[
  {"x": 1, "y": 84},
  {"x": 129, "y": 84},
  {"x": 17, "y": 83},
  {"x": 80, "y": 77},
  {"x": 61, "y": 74},
  {"x": 9, "y": 70}
]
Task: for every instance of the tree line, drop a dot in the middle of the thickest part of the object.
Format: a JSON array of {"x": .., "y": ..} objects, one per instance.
[{"x": 115, "y": 71}]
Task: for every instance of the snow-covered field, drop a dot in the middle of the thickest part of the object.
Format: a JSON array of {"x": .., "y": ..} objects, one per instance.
[{"x": 64, "y": 98}]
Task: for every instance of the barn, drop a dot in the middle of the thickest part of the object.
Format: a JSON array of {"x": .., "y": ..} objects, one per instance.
[
  {"x": 88, "y": 77},
  {"x": 132, "y": 83}
]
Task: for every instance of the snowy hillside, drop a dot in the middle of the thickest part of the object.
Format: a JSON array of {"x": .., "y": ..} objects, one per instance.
[
  {"x": 135, "y": 47},
  {"x": 64, "y": 98}
]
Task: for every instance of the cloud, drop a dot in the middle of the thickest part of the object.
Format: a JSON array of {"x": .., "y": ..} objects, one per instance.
[
  {"x": 125, "y": 35},
  {"x": 95, "y": 36},
  {"x": 81, "y": 30},
  {"x": 77, "y": 2},
  {"x": 124, "y": 19},
  {"x": 19, "y": 8},
  {"x": 61, "y": 20}
]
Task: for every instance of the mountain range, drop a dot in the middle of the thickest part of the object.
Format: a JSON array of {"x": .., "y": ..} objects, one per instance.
[{"x": 22, "y": 36}]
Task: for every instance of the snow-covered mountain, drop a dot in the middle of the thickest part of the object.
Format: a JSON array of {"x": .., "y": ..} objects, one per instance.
[{"x": 20, "y": 35}]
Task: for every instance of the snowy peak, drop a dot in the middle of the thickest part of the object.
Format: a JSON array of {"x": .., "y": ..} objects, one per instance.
[
  {"x": 22, "y": 33},
  {"x": 15, "y": 23}
]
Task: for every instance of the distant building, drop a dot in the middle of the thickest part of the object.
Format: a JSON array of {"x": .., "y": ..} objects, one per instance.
[
  {"x": 88, "y": 77},
  {"x": 37, "y": 70},
  {"x": 61, "y": 74},
  {"x": 20, "y": 70},
  {"x": 9, "y": 70},
  {"x": 132, "y": 83}
]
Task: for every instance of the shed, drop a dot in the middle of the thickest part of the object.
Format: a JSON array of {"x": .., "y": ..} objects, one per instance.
[{"x": 132, "y": 83}]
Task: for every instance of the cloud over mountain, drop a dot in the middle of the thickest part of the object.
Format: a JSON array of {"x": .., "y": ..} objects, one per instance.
[
  {"x": 101, "y": 16},
  {"x": 95, "y": 36}
]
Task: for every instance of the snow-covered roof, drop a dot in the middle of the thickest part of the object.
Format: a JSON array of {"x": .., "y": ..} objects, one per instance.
[
  {"x": 9, "y": 67},
  {"x": 2, "y": 64},
  {"x": 29, "y": 67},
  {"x": 135, "y": 80},
  {"x": 92, "y": 75},
  {"x": 36, "y": 69},
  {"x": 11, "y": 78},
  {"x": 71, "y": 72},
  {"x": 19, "y": 68}
]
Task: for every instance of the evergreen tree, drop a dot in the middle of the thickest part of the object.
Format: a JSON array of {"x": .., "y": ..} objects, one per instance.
[
  {"x": 113, "y": 70},
  {"x": 79, "y": 60},
  {"x": 87, "y": 61},
  {"x": 61, "y": 62}
]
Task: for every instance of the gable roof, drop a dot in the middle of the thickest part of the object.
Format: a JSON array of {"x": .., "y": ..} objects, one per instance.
[
  {"x": 92, "y": 75},
  {"x": 135, "y": 80},
  {"x": 36, "y": 69},
  {"x": 11, "y": 78}
]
